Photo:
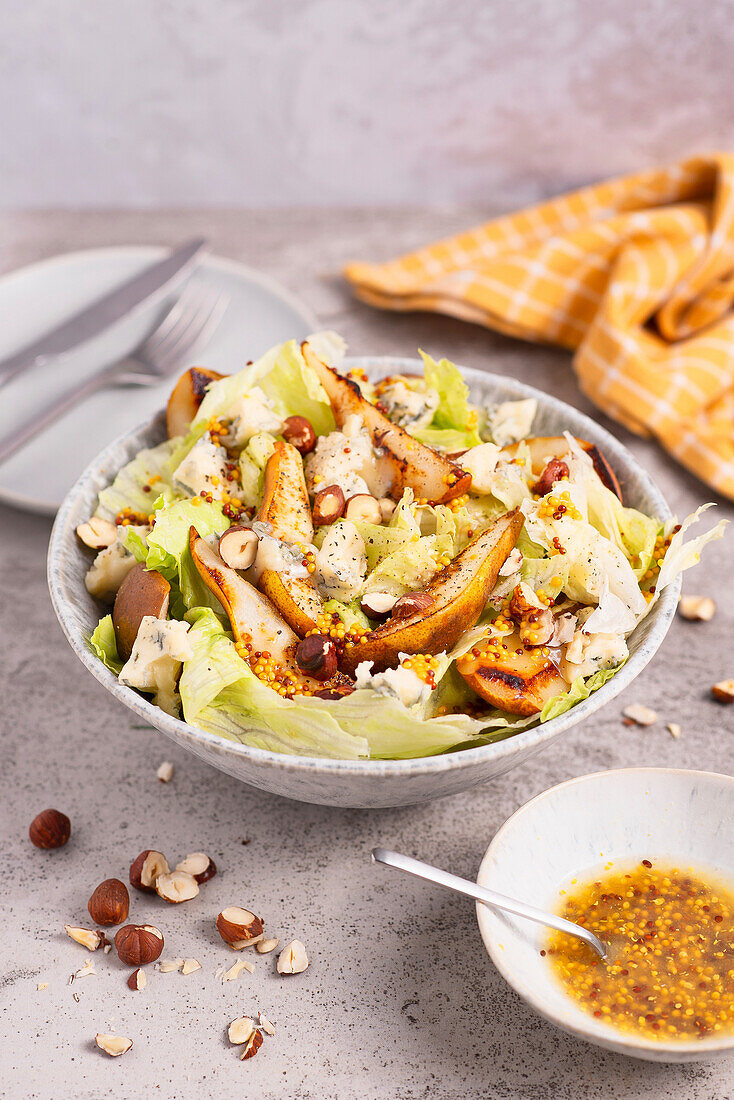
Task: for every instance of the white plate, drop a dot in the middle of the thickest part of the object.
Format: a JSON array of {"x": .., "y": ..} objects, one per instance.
[{"x": 36, "y": 298}]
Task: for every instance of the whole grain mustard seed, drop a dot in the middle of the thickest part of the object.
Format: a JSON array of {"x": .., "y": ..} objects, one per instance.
[{"x": 670, "y": 971}]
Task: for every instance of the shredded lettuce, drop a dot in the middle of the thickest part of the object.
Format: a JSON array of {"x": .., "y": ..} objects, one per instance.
[
  {"x": 454, "y": 423},
  {"x": 126, "y": 491},
  {"x": 579, "y": 690},
  {"x": 104, "y": 643},
  {"x": 168, "y": 552}
]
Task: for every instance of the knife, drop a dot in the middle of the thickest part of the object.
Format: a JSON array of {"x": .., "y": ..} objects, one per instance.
[{"x": 100, "y": 315}]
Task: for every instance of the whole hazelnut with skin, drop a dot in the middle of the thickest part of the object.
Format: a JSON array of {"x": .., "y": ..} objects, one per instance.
[
  {"x": 328, "y": 505},
  {"x": 110, "y": 902},
  {"x": 139, "y": 944},
  {"x": 50, "y": 829},
  {"x": 316, "y": 656},
  {"x": 299, "y": 432}
]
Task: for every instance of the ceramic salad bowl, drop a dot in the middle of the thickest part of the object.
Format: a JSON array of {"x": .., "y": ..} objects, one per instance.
[{"x": 355, "y": 783}]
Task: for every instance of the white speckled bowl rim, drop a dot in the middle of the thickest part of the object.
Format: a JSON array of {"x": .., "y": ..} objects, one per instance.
[
  {"x": 639, "y": 490},
  {"x": 592, "y": 1032}
]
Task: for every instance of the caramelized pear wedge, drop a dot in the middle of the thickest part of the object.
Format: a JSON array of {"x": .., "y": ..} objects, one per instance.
[
  {"x": 251, "y": 615},
  {"x": 516, "y": 679},
  {"x": 186, "y": 396},
  {"x": 411, "y": 464},
  {"x": 544, "y": 447},
  {"x": 285, "y": 506},
  {"x": 143, "y": 592},
  {"x": 459, "y": 593}
]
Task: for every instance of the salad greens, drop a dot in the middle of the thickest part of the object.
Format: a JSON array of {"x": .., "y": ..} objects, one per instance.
[{"x": 584, "y": 571}]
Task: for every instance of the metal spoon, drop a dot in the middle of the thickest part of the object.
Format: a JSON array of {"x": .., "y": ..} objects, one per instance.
[{"x": 488, "y": 897}]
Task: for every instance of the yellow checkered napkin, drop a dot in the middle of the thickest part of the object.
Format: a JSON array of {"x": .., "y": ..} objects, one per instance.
[{"x": 635, "y": 275}]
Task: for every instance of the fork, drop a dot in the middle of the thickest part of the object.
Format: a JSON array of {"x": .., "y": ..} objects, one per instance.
[{"x": 187, "y": 326}]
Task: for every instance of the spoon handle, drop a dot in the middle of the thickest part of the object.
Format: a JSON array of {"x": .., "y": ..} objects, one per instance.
[{"x": 488, "y": 897}]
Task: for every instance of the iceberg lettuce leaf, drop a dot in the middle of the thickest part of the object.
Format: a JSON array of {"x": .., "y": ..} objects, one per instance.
[{"x": 104, "y": 643}]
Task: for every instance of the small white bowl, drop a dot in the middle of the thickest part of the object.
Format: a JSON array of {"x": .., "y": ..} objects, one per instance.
[{"x": 574, "y": 829}]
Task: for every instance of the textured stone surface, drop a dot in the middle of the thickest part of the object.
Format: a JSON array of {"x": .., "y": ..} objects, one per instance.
[
  {"x": 400, "y": 1001},
  {"x": 271, "y": 102}
]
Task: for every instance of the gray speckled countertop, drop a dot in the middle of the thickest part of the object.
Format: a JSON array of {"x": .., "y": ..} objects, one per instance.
[{"x": 400, "y": 1000}]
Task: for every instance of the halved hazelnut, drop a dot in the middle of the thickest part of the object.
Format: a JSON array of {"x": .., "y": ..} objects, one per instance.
[
  {"x": 238, "y": 926},
  {"x": 139, "y": 944},
  {"x": 238, "y": 547},
  {"x": 146, "y": 868},
  {"x": 723, "y": 692},
  {"x": 199, "y": 865},
  {"x": 293, "y": 958},
  {"x": 49, "y": 829},
  {"x": 137, "y": 980},
  {"x": 252, "y": 1045},
  {"x": 97, "y": 533},
  {"x": 114, "y": 1045},
  {"x": 240, "y": 1030},
  {"x": 378, "y": 605},
  {"x": 412, "y": 603},
  {"x": 697, "y": 608},
  {"x": 328, "y": 505},
  {"x": 110, "y": 902},
  {"x": 556, "y": 470},
  {"x": 387, "y": 509},
  {"x": 299, "y": 432},
  {"x": 92, "y": 939},
  {"x": 316, "y": 656},
  {"x": 363, "y": 508},
  {"x": 176, "y": 886}
]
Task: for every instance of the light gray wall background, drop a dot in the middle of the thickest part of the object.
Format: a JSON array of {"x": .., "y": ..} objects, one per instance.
[{"x": 151, "y": 103}]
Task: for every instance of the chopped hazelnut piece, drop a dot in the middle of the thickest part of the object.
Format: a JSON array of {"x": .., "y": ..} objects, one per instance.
[
  {"x": 265, "y": 946},
  {"x": 673, "y": 729},
  {"x": 91, "y": 939},
  {"x": 86, "y": 970},
  {"x": 723, "y": 692},
  {"x": 252, "y": 1045},
  {"x": 170, "y": 966},
  {"x": 190, "y": 965},
  {"x": 640, "y": 715},
  {"x": 137, "y": 979},
  {"x": 697, "y": 608},
  {"x": 165, "y": 771},
  {"x": 236, "y": 969},
  {"x": 241, "y": 1029},
  {"x": 265, "y": 1024},
  {"x": 114, "y": 1045}
]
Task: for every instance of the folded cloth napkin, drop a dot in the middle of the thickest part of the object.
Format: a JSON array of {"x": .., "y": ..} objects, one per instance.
[{"x": 636, "y": 275}]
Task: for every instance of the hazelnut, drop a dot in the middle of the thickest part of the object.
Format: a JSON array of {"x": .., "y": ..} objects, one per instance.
[
  {"x": 238, "y": 546},
  {"x": 114, "y": 1045},
  {"x": 333, "y": 693},
  {"x": 293, "y": 958},
  {"x": 164, "y": 772},
  {"x": 363, "y": 508},
  {"x": 328, "y": 505},
  {"x": 190, "y": 966},
  {"x": 176, "y": 886},
  {"x": 298, "y": 431},
  {"x": 97, "y": 533},
  {"x": 252, "y": 1045},
  {"x": 640, "y": 714},
  {"x": 238, "y": 926},
  {"x": 378, "y": 605},
  {"x": 146, "y": 868},
  {"x": 266, "y": 946},
  {"x": 316, "y": 656},
  {"x": 240, "y": 1030},
  {"x": 265, "y": 1024},
  {"x": 50, "y": 829},
  {"x": 139, "y": 944},
  {"x": 110, "y": 902},
  {"x": 387, "y": 509},
  {"x": 412, "y": 603},
  {"x": 137, "y": 980},
  {"x": 697, "y": 608},
  {"x": 199, "y": 865},
  {"x": 555, "y": 471},
  {"x": 723, "y": 692},
  {"x": 92, "y": 939}
]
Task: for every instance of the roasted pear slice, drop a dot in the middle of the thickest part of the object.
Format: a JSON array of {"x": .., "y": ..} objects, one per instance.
[
  {"x": 285, "y": 506},
  {"x": 186, "y": 396},
  {"x": 544, "y": 447},
  {"x": 143, "y": 592},
  {"x": 457, "y": 594},
  {"x": 516, "y": 679},
  {"x": 411, "y": 464}
]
